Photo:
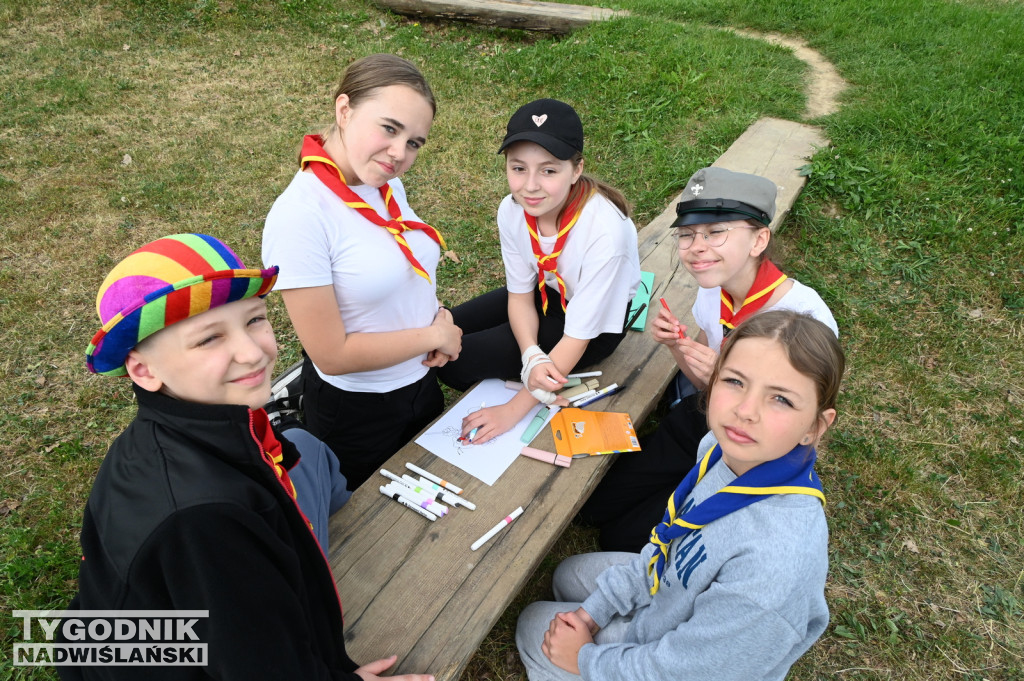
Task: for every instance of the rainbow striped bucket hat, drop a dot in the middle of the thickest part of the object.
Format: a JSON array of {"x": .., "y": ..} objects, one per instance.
[{"x": 164, "y": 282}]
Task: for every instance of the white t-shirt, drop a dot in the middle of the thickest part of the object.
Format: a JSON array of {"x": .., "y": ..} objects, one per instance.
[
  {"x": 707, "y": 310},
  {"x": 599, "y": 265},
  {"x": 317, "y": 240}
]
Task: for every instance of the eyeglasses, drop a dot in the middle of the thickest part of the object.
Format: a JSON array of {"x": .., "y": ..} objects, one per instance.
[{"x": 712, "y": 237}]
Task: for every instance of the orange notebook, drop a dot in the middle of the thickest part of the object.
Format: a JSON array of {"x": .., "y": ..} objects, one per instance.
[{"x": 580, "y": 433}]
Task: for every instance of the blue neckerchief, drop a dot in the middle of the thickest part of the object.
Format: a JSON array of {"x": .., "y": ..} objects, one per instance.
[{"x": 789, "y": 474}]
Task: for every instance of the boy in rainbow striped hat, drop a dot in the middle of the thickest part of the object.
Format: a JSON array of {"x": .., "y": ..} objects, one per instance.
[{"x": 196, "y": 505}]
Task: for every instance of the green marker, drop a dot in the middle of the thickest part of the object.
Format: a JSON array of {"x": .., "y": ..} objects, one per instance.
[{"x": 535, "y": 425}]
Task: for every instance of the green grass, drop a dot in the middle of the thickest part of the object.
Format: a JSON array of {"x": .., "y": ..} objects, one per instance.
[{"x": 911, "y": 227}]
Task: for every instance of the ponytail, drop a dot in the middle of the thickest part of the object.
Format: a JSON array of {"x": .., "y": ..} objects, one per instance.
[{"x": 588, "y": 184}]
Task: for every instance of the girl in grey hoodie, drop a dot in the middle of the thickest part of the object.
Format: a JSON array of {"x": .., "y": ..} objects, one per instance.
[{"x": 732, "y": 584}]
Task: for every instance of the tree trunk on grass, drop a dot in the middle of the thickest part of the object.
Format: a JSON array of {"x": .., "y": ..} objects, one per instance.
[{"x": 529, "y": 15}]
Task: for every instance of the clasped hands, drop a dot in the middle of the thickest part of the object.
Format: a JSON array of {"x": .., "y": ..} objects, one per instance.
[
  {"x": 451, "y": 344},
  {"x": 567, "y": 633}
]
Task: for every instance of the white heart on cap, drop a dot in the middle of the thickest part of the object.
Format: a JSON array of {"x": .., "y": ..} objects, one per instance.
[{"x": 539, "y": 120}]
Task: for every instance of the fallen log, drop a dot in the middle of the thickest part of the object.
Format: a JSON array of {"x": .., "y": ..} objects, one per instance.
[{"x": 530, "y": 15}]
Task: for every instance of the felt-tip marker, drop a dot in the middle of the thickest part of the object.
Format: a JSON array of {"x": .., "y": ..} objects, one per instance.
[
  {"x": 438, "y": 491},
  {"x": 636, "y": 315},
  {"x": 603, "y": 392},
  {"x": 582, "y": 397},
  {"x": 412, "y": 484},
  {"x": 497, "y": 528},
  {"x": 418, "y": 497},
  {"x": 535, "y": 425},
  {"x": 433, "y": 478},
  {"x": 665, "y": 305},
  {"x": 408, "y": 504}
]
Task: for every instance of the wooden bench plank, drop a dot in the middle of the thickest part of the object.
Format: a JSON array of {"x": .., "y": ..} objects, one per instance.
[
  {"x": 414, "y": 588},
  {"x": 775, "y": 148}
]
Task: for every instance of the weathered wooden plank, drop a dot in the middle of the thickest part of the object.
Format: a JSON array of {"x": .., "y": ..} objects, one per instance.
[
  {"x": 549, "y": 17},
  {"x": 775, "y": 148},
  {"x": 414, "y": 588}
]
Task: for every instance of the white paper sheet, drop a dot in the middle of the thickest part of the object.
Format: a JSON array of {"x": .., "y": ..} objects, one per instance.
[{"x": 487, "y": 461}]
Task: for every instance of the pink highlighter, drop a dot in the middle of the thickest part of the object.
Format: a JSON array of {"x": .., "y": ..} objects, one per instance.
[{"x": 682, "y": 334}]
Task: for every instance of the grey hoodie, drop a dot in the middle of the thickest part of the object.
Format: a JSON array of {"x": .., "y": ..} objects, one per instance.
[{"x": 742, "y": 598}]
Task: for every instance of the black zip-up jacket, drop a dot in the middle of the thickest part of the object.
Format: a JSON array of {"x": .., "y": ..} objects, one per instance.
[{"x": 185, "y": 514}]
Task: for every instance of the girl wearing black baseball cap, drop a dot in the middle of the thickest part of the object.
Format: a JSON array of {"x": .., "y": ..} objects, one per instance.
[{"x": 571, "y": 269}]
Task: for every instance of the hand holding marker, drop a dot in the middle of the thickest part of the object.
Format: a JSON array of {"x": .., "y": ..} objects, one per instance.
[
  {"x": 472, "y": 433},
  {"x": 682, "y": 334}
]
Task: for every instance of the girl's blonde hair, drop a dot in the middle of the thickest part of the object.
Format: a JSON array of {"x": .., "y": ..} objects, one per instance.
[
  {"x": 810, "y": 346},
  {"x": 365, "y": 76}
]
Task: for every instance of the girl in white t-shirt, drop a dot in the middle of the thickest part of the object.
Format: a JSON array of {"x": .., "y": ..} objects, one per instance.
[
  {"x": 571, "y": 269},
  {"x": 358, "y": 269},
  {"x": 723, "y": 239}
]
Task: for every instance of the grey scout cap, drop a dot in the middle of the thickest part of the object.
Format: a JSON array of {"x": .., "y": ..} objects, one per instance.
[{"x": 719, "y": 195}]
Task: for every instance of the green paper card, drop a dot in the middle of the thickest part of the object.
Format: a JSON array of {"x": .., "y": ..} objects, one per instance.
[{"x": 637, "y": 317}]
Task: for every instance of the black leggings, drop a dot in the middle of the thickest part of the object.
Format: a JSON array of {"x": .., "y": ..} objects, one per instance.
[
  {"x": 365, "y": 429},
  {"x": 489, "y": 348}
]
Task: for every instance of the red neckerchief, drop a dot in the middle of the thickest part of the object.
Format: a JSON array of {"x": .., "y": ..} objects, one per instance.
[
  {"x": 767, "y": 280},
  {"x": 273, "y": 455},
  {"x": 272, "y": 451},
  {"x": 549, "y": 262},
  {"x": 314, "y": 156}
]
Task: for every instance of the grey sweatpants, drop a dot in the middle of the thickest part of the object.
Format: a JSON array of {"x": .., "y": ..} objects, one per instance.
[{"x": 575, "y": 578}]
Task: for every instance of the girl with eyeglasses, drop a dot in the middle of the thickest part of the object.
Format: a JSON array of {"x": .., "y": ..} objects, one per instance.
[{"x": 723, "y": 238}]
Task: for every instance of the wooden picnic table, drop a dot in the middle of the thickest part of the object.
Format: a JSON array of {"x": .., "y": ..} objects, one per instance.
[{"x": 414, "y": 588}]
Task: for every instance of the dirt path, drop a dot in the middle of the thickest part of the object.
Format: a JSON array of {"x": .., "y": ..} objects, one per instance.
[
  {"x": 825, "y": 84},
  {"x": 823, "y": 87}
]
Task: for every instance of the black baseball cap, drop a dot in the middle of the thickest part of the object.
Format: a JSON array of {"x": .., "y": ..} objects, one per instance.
[
  {"x": 718, "y": 195},
  {"x": 550, "y": 123}
]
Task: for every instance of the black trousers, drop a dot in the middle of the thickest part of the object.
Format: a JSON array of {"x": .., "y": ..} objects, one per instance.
[
  {"x": 489, "y": 348},
  {"x": 631, "y": 498},
  {"x": 365, "y": 429}
]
